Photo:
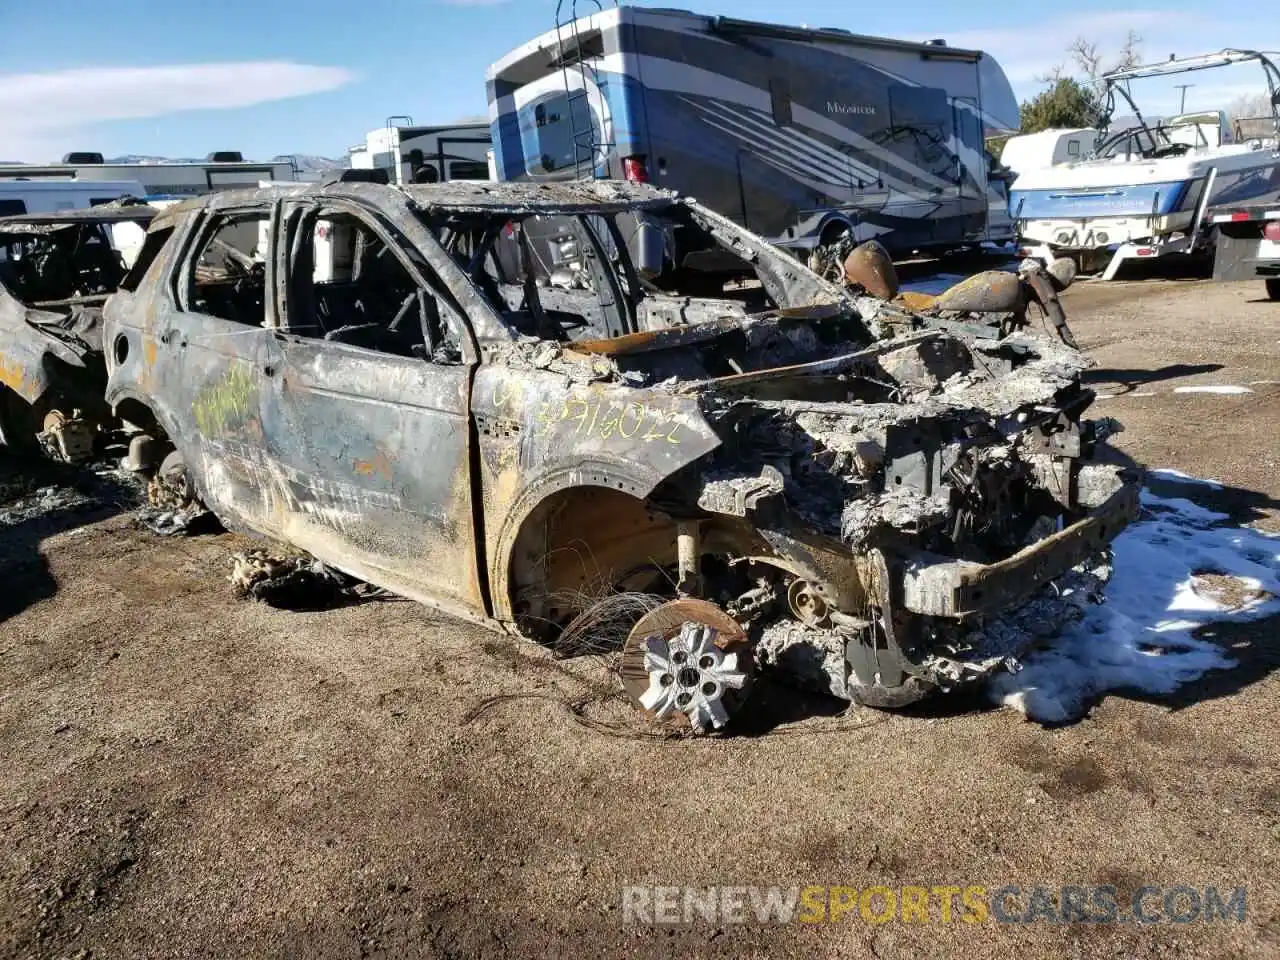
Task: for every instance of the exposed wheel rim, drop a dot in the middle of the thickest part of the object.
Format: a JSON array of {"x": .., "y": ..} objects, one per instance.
[{"x": 687, "y": 664}]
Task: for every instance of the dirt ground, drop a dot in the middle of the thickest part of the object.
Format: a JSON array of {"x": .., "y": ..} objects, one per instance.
[{"x": 189, "y": 775}]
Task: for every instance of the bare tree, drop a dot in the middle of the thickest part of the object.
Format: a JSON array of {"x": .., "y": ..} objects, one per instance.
[
  {"x": 1089, "y": 60},
  {"x": 1250, "y": 105},
  {"x": 1250, "y": 116},
  {"x": 1086, "y": 56},
  {"x": 1077, "y": 100}
]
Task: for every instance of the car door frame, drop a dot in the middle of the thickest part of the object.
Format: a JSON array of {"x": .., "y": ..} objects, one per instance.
[
  {"x": 222, "y": 449},
  {"x": 412, "y": 576}
]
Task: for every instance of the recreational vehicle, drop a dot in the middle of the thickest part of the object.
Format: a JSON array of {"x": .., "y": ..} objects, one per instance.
[
  {"x": 436, "y": 154},
  {"x": 802, "y": 135},
  {"x": 1144, "y": 190},
  {"x": 223, "y": 170},
  {"x": 52, "y": 196}
]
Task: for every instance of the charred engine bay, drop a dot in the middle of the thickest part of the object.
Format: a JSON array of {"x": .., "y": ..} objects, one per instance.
[
  {"x": 933, "y": 438},
  {"x": 949, "y": 437},
  {"x": 954, "y": 459}
]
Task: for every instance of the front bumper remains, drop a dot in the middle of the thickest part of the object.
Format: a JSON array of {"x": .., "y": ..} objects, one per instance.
[{"x": 960, "y": 589}]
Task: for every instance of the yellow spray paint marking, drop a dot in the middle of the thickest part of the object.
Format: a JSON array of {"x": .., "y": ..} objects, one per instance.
[
  {"x": 14, "y": 377},
  {"x": 380, "y": 464},
  {"x": 596, "y": 417},
  {"x": 226, "y": 404}
]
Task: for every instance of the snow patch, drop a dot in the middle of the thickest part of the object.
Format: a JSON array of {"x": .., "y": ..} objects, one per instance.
[
  {"x": 1141, "y": 637},
  {"x": 1226, "y": 389},
  {"x": 1177, "y": 476}
]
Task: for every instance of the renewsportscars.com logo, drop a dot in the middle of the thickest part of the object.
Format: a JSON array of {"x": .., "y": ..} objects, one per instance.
[{"x": 937, "y": 904}]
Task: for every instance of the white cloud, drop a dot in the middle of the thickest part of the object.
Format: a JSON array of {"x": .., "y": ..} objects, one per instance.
[
  {"x": 43, "y": 113},
  {"x": 1029, "y": 52}
]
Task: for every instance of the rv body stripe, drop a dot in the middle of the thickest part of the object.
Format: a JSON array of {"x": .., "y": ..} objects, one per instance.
[{"x": 675, "y": 77}]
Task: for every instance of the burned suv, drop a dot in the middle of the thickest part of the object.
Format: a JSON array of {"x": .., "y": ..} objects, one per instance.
[
  {"x": 478, "y": 396},
  {"x": 56, "y": 272}
]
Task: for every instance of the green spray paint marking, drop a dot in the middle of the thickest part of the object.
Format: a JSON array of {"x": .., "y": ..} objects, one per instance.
[{"x": 227, "y": 404}]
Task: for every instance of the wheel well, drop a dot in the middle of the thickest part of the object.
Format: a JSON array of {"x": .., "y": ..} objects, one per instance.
[
  {"x": 582, "y": 543},
  {"x": 141, "y": 416},
  {"x": 833, "y": 230}
]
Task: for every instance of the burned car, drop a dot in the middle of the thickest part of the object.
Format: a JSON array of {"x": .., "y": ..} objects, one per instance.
[
  {"x": 474, "y": 396},
  {"x": 56, "y": 272}
]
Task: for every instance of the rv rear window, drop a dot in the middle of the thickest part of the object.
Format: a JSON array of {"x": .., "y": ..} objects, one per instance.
[
  {"x": 9, "y": 208},
  {"x": 468, "y": 170},
  {"x": 780, "y": 96}
]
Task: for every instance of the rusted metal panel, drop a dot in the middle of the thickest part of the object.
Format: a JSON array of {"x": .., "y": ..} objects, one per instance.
[{"x": 962, "y": 589}]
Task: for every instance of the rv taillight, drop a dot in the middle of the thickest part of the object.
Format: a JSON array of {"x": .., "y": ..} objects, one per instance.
[
  {"x": 1272, "y": 231},
  {"x": 634, "y": 169}
]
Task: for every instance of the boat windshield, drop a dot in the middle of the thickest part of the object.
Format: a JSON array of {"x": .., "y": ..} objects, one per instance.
[
  {"x": 1154, "y": 139},
  {"x": 1170, "y": 138}
]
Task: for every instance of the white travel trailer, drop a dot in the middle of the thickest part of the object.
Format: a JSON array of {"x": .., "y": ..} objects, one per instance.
[
  {"x": 435, "y": 154},
  {"x": 1034, "y": 151},
  {"x": 224, "y": 170},
  {"x": 52, "y": 196}
]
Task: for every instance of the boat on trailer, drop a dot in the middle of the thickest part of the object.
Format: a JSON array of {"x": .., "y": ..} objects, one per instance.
[{"x": 1143, "y": 191}]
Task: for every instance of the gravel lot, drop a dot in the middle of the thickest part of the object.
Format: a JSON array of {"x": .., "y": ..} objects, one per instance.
[{"x": 190, "y": 775}]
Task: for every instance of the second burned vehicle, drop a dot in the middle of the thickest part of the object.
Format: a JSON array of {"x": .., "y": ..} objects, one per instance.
[
  {"x": 471, "y": 395},
  {"x": 56, "y": 272}
]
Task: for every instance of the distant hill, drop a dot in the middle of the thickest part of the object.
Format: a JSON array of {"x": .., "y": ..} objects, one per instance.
[
  {"x": 143, "y": 158},
  {"x": 305, "y": 162},
  {"x": 309, "y": 163}
]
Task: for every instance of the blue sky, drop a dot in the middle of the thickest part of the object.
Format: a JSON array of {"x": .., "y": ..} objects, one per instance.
[{"x": 265, "y": 77}]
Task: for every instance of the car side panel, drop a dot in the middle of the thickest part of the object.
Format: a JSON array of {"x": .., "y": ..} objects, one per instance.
[{"x": 370, "y": 455}]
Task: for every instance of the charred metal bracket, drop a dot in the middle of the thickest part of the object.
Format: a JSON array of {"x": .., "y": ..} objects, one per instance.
[
  {"x": 917, "y": 456},
  {"x": 1043, "y": 292},
  {"x": 959, "y": 589},
  {"x": 738, "y": 496},
  {"x": 875, "y": 660},
  {"x": 1059, "y": 436}
]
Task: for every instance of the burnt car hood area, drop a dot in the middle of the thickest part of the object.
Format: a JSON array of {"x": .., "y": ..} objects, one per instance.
[{"x": 509, "y": 401}]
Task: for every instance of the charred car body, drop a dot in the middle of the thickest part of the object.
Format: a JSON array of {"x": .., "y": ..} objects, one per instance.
[
  {"x": 468, "y": 394},
  {"x": 56, "y": 272}
]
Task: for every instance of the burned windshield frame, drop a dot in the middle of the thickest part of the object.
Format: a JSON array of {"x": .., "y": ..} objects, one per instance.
[{"x": 556, "y": 262}]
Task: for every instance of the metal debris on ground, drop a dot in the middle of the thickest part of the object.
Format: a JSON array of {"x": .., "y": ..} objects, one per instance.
[
  {"x": 172, "y": 506},
  {"x": 172, "y": 516},
  {"x": 171, "y": 522},
  {"x": 294, "y": 582},
  {"x": 31, "y": 489},
  {"x": 44, "y": 500}
]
